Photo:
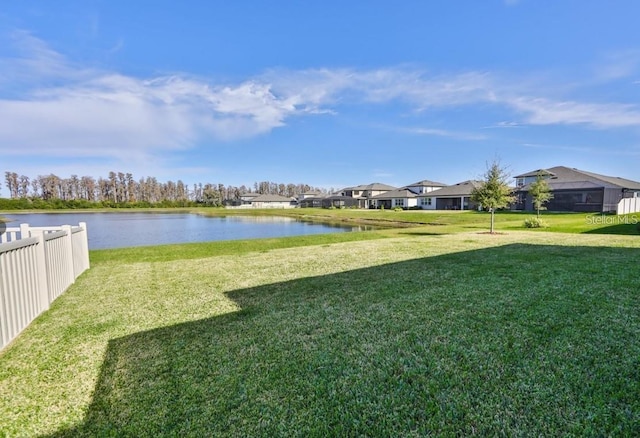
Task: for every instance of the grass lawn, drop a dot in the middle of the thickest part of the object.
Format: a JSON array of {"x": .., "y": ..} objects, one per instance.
[
  {"x": 399, "y": 333},
  {"x": 446, "y": 222}
]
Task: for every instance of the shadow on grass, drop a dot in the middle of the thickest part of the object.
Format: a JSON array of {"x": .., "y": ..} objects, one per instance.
[
  {"x": 422, "y": 233},
  {"x": 618, "y": 229},
  {"x": 515, "y": 340}
]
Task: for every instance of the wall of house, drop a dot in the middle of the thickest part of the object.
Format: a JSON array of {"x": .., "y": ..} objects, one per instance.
[
  {"x": 272, "y": 205},
  {"x": 422, "y": 189},
  {"x": 423, "y": 203},
  {"x": 405, "y": 202}
]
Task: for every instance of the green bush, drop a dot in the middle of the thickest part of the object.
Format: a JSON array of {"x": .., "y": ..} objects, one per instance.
[{"x": 535, "y": 222}]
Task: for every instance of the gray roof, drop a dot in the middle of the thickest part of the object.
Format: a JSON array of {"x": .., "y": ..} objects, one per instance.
[
  {"x": 398, "y": 193},
  {"x": 575, "y": 178},
  {"x": 372, "y": 186},
  {"x": 535, "y": 173},
  {"x": 272, "y": 198},
  {"x": 463, "y": 188},
  {"x": 427, "y": 183}
]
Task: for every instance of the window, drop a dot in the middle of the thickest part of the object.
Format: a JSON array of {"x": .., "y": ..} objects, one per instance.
[
  {"x": 425, "y": 201},
  {"x": 520, "y": 182},
  {"x": 398, "y": 202},
  {"x": 356, "y": 192}
]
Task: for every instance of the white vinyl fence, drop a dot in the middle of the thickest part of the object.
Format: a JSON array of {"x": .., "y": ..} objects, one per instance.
[
  {"x": 37, "y": 264},
  {"x": 629, "y": 205}
]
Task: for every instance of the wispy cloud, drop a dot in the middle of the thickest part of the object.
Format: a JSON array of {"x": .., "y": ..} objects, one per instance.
[
  {"x": 542, "y": 111},
  {"x": 445, "y": 133},
  {"x": 74, "y": 110},
  {"x": 618, "y": 65},
  {"x": 504, "y": 124}
]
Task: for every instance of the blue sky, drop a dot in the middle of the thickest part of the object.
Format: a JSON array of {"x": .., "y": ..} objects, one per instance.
[{"x": 329, "y": 93}]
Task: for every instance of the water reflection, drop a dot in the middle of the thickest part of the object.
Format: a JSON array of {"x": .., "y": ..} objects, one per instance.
[{"x": 116, "y": 230}]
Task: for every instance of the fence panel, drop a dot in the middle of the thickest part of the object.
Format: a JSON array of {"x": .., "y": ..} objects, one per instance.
[
  {"x": 10, "y": 235},
  {"x": 59, "y": 264},
  {"x": 20, "y": 292},
  {"x": 629, "y": 205},
  {"x": 37, "y": 264},
  {"x": 80, "y": 242}
]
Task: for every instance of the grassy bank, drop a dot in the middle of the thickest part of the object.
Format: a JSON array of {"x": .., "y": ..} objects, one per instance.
[
  {"x": 446, "y": 222},
  {"x": 412, "y": 334},
  {"x": 434, "y": 222}
]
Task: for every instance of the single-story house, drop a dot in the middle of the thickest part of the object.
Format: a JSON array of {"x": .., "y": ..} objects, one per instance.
[
  {"x": 273, "y": 201},
  {"x": 336, "y": 201},
  {"x": 306, "y": 195},
  {"x": 364, "y": 193},
  {"x": 576, "y": 190},
  {"x": 403, "y": 198},
  {"x": 454, "y": 197}
]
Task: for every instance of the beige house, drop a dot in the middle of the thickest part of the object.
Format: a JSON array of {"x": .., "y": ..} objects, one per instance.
[
  {"x": 403, "y": 198},
  {"x": 365, "y": 193},
  {"x": 266, "y": 201},
  {"x": 454, "y": 197}
]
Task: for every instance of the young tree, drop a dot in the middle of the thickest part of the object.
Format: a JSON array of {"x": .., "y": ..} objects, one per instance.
[
  {"x": 540, "y": 192},
  {"x": 494, "y": 192}
]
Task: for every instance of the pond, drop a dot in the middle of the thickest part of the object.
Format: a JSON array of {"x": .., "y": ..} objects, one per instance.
[{"x": 117, "y": 230}]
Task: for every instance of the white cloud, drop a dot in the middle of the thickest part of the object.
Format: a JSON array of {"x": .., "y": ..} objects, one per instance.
[
  {"x": 541, "y": 111},
  {"x": 618, "y": 65},
  {"x": 51, "y": 107},
  {"x": 446, "y": 133},
  {"x": 504, "y": 124},
  {"x": 98, "y": 113}
]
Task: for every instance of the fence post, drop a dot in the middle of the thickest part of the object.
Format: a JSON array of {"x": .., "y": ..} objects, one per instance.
[
  {"x": 24, "y": 231},
  {"x": 41, "y": 262},
  {"x": 85, "y": 245}
]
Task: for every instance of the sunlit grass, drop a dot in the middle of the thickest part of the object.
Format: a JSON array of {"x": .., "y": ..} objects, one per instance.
[
  {"x": 447, "y": 222},
  {"x": 529, "y": 334}
]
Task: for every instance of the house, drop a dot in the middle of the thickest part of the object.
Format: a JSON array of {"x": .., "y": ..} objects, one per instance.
[
  {"x": 454, "y": 197},
  {"x": 330, "y": 201},
  {"x": 576, "y": 190},
  {"x": 306, "y": 195},
  {"x": 273, "y": 201},
  {"x": 247, "y": 198},
  {"x": 425, "y": 186},
  {"x": 403, "y": 198},
  {"x": 364, "y": 193}
]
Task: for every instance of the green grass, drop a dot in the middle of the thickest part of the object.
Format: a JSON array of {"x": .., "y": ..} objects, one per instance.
[
  {"x": 518, "y": 334},
  {"x": 446, "y": 222},
  {"x": 431, "y": 222}
]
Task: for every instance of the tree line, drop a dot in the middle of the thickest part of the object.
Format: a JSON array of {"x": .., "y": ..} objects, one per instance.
[{"x": 121, "y": 189}]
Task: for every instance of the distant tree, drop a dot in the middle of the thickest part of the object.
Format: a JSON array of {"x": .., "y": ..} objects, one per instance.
[
  {"x": 11, "y": 181},
  {"x": 540, "y": 192},
  {"x": 88, "y": 188},
  {"x": 23, "y": 186},
  {"x": 494, "y": 192},
  {"x": 211, "y": 196}
]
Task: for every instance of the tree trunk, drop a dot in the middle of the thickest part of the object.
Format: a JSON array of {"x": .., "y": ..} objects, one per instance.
[{"x": 492, "y": 213}]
